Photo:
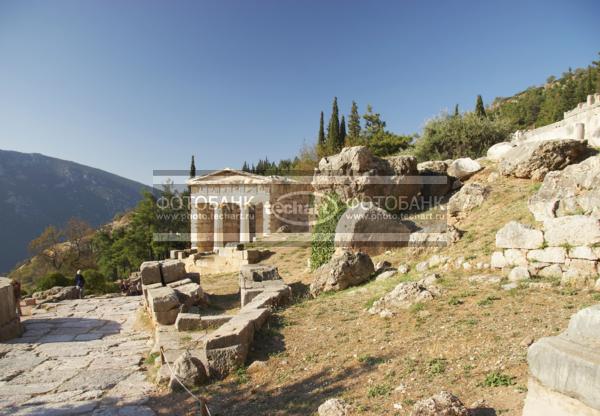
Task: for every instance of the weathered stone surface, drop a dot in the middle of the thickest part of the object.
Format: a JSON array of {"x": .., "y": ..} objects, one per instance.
[
  {"x": 574, "y": 230},
  {"x": 517, "y": 235},
  {"x": 432, "y": 166},
  {"x": 580, "y": 273},
  {"x": 515, "y": 257},
  {"x": 403, "y": 296},
  {"x": 551, "y": 271},
  {"x": 468, "y": 198},
  {"x": 56, "y": 294},
  {"x": 518, "y": 274},
  {"x": 355, "y": 173},
  {"x": 334, "y": 407},
  {"x": 574, "y": 190},
  {"x": 164, "y": 305},
  {"x": 498, "y": 261},
  {"x": 369, "y": 228},
  {"x": 343, "y": 270},
  {"x": 150, "y": 272},
  {"x": 187, "y": 370},
  {"x": 542, "y": 400},
  {"x": 584, "y": 253},
  {"x": 535, "y": 159},
  {"x": 382, "y": 266},
  {"x": 497, "y": 151},
  {"x": 463, "y": 168},
  {"x": 441, "y": 404},
  {"x": 222, "y": 361},
  {"x": 251, "y": 273},
  {"x": 548, "y": 255},
  {"x": 10, "y": 324},
  {"x": 569, "y": 364},
  {"x": 172, "y": 271}
]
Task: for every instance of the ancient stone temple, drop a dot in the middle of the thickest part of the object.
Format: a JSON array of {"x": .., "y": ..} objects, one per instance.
[{"x": 232, "y": 206}]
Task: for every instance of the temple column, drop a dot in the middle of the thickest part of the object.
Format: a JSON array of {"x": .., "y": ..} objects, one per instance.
[
  {"x": 244, "y": 223},
  {"x": 266, "y": 218},
  {"x": 218, "y": 239},
  {"x": 194, "y": 226}
]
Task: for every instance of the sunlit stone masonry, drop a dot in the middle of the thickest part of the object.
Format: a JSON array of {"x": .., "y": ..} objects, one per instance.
[{"x": 10, "y": 324}]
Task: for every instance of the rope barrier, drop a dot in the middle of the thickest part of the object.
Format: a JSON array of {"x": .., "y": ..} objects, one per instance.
[{"x": 203, "y": 405}]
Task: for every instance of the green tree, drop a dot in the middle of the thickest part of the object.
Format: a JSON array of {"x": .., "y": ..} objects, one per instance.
[
  {"x": 333, "y": 130},
  {"x": 456, "y": 111},
  {"x": 479, "y": 107},
  {"x": 192, "y": 168},
  {"x": 342, "y": 138},
  {"x": 321, "y": 144},
  {"x": 353, "y": 137},
  {"x": 468, "y": 135}
]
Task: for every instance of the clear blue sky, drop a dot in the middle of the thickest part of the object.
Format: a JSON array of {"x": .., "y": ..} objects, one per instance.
[{"x": 132, "y": 86}]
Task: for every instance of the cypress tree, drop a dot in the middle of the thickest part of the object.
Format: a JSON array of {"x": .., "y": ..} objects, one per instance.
[
  {"x": 479, "y": 108},
  {"x": 456, "y": 112},
  {"x": 353, "y": 125},
  {"x": 342, "y": 139},
  {"x": 192, "y": 168},
  {"x": 333, "y": 130},
  {"x": 321, "y": 138}
]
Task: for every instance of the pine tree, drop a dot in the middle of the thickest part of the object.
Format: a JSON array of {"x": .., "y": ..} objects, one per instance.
[
  {"x": 479, "y": 108},
  {"x": 353, "y": 126},
  {"x": 456, "y": 112},
  {"x": 333, "y": 130},
  {"x": 245, "y": 167},
  {"x": 192, "y": 168},
  {"x": 342, "y": 138}
]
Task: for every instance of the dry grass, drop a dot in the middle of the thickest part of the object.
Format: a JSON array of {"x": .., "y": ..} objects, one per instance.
[{"x": 472, "y": 340}]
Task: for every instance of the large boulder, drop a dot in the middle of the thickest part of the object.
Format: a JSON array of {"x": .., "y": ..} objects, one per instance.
[
  {"x": 466, "y": 199},
  {"x": 334, "y": 407},
  {"x": 189, "y": 370},
  {"x": 576, "y": 189},
  {"x": 404, "y": 295},
  {"x": 535, "y": 159},
  {"x": 371, "y": 229},
  {"x": 441, "y": 404},
  {"x": 355, "y": 173},
  {"x": 342, "y": 271},
  {"x": 517, "y": 235},
  {"x": 463, "y": 168},
  {"x": 497, "y": 151}
]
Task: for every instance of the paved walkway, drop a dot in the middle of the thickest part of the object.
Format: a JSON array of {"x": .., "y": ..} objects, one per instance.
[{"x": 81, "y": 357}]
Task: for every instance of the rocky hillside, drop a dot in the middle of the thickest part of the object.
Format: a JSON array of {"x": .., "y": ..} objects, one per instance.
[{"x": 38, "y": 191}]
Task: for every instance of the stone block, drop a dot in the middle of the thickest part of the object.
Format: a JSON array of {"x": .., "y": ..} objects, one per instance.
[
  {"x": 164, "y": 304},
  {"x": 518, "y": 273},
  {"x": 173, "y": 270},
  {"x": 583, "y": 252},
  {"x": 234, "y": 332},
  {"x": 10, "y": 324},
  {"x": 585, "y": 323},
  {"x": 150, "y": 272},
  {"x": 517, "y": 235},
  {"x": 247, "y": 295},
  {"x": 188, "y": 322},
  {"x": 515, "y": 257},
  {"x": 221, "y": 361},
  {"x": 548, "y": 255},
  {"x": 574, "y": 230},
  {"x": 569, "y": 366},
  {"x": 498, "y": 260},
  {"x": 544, "y": 401},
  {"x": 257, "y": 273},
  {"x": 554, "y": 270}
]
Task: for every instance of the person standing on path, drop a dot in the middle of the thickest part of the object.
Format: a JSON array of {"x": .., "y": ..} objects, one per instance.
[
  {"x": 17, "y": 292},
  {"x": 79, "y": 283}
]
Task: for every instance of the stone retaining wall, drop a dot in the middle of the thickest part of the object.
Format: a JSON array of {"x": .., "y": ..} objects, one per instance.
[
  {"x": 581, "y": 123},
  {"x": 10, "y": 323}
]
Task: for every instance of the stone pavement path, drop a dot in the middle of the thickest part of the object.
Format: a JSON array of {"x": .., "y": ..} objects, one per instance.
[{"x": 81, "y": 357}]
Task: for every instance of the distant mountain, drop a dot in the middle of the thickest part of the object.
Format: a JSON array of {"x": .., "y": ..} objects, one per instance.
[{"x": 37, "y": 191}]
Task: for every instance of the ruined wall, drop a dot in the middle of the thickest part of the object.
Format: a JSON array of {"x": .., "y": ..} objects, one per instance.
[
  {"x": 10, "y": 324},
  {"x": 581, "y": 123}
]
